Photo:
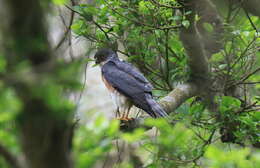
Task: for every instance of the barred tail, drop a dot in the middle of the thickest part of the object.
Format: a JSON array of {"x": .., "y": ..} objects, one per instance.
[{"x": 156, "y": 110}]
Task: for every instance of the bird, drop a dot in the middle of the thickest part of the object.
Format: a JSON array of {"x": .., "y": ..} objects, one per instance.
[{"x": 126, "y": 85}]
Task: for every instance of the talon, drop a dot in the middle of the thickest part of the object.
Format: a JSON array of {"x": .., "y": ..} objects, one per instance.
[{"x": 130, "y": 119}]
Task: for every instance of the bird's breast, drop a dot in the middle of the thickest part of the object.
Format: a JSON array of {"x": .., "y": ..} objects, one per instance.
[
  {"x": 108, "y": 85},
  {"x": 119, "y": 99}
]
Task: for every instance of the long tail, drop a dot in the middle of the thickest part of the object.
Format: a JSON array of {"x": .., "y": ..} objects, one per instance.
[{"x": 156, "y": 110}]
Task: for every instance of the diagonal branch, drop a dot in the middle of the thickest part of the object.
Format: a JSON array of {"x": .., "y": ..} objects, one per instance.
[
  {"x": 252, "y": 6},
  {"x": 68, "y": 28},
  {"x": 169, "y": 103},
  {"x": 179, "y": 95}
]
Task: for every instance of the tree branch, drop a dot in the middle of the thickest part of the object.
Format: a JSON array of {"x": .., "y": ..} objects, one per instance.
[
  {"x": 212, "y": 39},
  {"x": 169, "y": 103},
  {"x": 190, "y": 38},
  {"x": 68, "y": 28},
  {"x": 252, "y": 6},
  {"x": 179, "y": 95}
]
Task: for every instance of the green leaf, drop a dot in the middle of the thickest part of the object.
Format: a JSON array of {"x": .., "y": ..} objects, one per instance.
[
  {"x": 222, "y": 66},
  {"x": 142, "y": 7},
  {"x": 231, "y": 158},
  {"x": 113, "y": 128},
  {"x": 208, "y": 27},
  {"x": 59, "y": 2},
  {"x": 217, "y": 57},
  {"x": 229, "y": 103},
  {"x": 185, "y": 23},
  {"x": 77, "y": 25},
  {"x": 137, "y": 135}
]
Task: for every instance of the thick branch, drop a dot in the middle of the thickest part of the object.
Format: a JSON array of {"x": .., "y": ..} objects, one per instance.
[
  {"x": 169, "y": 103},
  {"x": 251, "y": 6},
  {"x": 212, "y": 39},
  {"x": 179, "y": 95},
  {"x": 190, "y": 38}
]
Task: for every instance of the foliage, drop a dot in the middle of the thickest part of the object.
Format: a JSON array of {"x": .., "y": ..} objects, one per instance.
[
  {"x": 170, "y": 146},
  {"x": 147, "y": 34},
  {"x": 92, "y": 143},
  {"x": 241, "y": 158},
  {"x": 10, "y": 106}
]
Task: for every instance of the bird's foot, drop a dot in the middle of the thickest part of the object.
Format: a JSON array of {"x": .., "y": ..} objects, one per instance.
[{"x": 125, "y": 121}]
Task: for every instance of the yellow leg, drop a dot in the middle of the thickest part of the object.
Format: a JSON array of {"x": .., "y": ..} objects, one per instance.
[
  {"x": 128, "y": 111},
  {"x": 117, "y": 112},
  {"x": 125, "y": 112}
]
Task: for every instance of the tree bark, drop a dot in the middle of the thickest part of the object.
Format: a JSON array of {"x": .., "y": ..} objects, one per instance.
[
  {"x": 251, "y": 6},
  {"x": 213, "y": 38}
]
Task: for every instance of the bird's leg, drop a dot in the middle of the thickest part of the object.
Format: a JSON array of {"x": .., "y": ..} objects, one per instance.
[
  {"x": 126, "y": 113},
  {"x": 117, "y": 112},
  {"x": 123, "y": 117}
]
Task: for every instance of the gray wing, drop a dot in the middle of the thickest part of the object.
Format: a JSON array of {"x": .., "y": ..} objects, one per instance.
[
  {"x": 130, "y": 69},
  {"x": 129, "y": 82}
]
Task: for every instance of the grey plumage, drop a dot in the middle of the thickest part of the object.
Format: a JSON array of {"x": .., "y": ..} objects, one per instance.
[{"x": 127, "y": 80}]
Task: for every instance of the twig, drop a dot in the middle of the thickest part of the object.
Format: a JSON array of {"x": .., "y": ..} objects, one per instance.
[
  {"x": 243, "y": 53},
  {"x": 244, "y": 109},
  {"x": 106, "y": 34},
  {"x": 83, "y": 87},
  {"x": 248, "y": 83},
  {"x": 250, "y": 74},
  {"x": 167, "y": 59},
  {"x": 142, "y": 23},
  {"x": 101, "y": 30},
  {"x": 250, "y": 20},
  {"x": 67, "y": 28}
]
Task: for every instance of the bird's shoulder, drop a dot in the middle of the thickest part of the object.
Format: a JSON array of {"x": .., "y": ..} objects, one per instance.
[{"x": 128, "y": 68}]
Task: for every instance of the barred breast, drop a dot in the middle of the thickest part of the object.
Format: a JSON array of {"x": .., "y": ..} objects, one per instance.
[{"x": 120, "y": 101}]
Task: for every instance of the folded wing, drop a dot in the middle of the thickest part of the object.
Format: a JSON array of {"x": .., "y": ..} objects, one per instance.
[{"x": 130, "y": 82}]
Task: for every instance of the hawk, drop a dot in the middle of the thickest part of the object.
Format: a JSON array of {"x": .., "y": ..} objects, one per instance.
[{"x": 127, "y": 86}]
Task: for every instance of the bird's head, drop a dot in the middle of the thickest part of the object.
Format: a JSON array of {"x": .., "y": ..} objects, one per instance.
[{"x": 103, "y": 55}]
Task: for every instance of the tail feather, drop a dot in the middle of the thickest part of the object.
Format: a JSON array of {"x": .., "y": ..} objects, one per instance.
[{"x": 156, "y": 110}]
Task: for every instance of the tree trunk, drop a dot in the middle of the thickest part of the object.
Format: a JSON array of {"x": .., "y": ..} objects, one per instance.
[{"x": 45, "y": 138}]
